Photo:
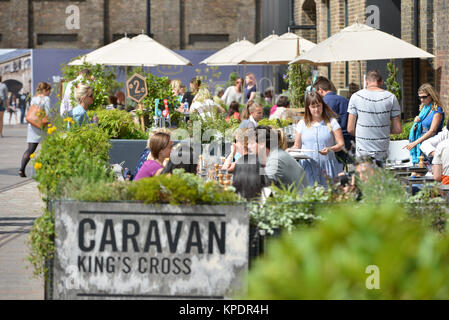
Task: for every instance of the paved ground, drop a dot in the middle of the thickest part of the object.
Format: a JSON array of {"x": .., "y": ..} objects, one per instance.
[{"x": 20, "y": 204}]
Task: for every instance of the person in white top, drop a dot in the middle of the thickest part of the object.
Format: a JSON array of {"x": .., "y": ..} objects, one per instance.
[
  {"x": 66, "y": 104},
  {"x": 204, "y": 105},
  {"x": 429, "y": 146},
  {"x": 440, "y": 168},
  {"x": 233, "y": 93}
]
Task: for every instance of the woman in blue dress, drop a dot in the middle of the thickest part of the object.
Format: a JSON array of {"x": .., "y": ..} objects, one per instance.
[
  {"x": 428, "y": 123},
  {"x": 321, "y": 136}
]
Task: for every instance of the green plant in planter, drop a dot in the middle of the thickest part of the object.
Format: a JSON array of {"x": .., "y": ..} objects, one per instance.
[
  {"x": 67, "y": 154},
  {"x": 288, "y": 209},
  {"x": 159, "y": 88},
  {"x": 391, "y": 83},
  {"x": 181, "y": 188},
  {"x": 406, "y": 127},
  {"x": 276, "y": 123},
  {"x": 341, "y": 256},
  {"x": 216, "y": 122},
  {"x": 105, "y": 83},
  {"x": 297, "y": 77},
  {"x": 118, "y": 124},
  {"x": 41, "y": 243}
]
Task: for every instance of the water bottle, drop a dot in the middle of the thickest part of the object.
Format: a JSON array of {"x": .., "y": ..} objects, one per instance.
[{"x": 186, "y": 107}]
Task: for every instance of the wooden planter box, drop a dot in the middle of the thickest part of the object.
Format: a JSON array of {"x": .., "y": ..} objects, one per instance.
[{"x": 136, "y": 251}]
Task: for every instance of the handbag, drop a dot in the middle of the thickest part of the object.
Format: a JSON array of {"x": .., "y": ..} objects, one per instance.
[{"x": 37, "y": 117}]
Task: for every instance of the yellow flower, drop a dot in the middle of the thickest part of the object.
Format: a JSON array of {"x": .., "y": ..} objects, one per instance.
[
  {"x": 51, "y": 130},
  {"x": 49, "y": 125},
  {"x": 32, "y": 155},
  {"x": 68, "y": 119},
  {"x": 37, "y": 166}
]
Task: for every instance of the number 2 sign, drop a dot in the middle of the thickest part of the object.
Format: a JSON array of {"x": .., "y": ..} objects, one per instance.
[{"x": 137, "y": 88}]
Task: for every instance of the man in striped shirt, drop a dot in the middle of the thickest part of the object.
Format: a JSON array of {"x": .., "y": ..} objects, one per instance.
[{"x": 374, "y": 114}]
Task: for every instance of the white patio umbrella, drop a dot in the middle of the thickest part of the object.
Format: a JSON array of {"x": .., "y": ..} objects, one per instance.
[
  {"x": 360, "y": 42},
  {"x": 277, "y": 50},
  {"x": 142, "y": 51},
  {"x": 229, "y": 56},
  {"x": 95, "y": 56}
]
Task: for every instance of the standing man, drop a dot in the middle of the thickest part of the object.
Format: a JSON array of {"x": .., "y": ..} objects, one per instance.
[
  {"x": 339, "y": 105},
  {"x": 4, "y": 103},
  {"x": 23, "y": 101},
  {"x": 374, "y": 114},
  {"x": 66, "y": 104}
]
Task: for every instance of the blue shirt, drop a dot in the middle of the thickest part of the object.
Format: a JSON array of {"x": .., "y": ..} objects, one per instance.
[
  {"x": 79, "y": 115},
  {"x": 339, "y": 105},
  {"x": 249, "y": 91},
  {"x": 427, "y": 122}
]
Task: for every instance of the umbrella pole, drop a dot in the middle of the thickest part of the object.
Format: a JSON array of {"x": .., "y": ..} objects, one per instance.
[
  {"x": 274, "y": 80},
  {"x": 243, "y": 85},
  {"x": 360, "y": 74}
]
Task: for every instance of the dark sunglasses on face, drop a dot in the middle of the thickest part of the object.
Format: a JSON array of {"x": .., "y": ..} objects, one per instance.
[{"x": 424, "y": 97}]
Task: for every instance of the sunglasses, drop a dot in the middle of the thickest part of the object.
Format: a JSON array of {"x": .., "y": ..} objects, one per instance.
[{"x": 424, "y": 97}]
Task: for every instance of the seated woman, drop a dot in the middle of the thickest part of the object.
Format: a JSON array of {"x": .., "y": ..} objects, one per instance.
[
  {"x": 84, "y": 97},
  {"x": 204, "y": 105},
  {"x": 234, "y": 111},
  {"x": 182, "y": 157},
  {"x": 160, "y": 149},
  {"x": 429, "y": 122},
  {"x": 320, "y": 132},
  {"x": 249, "y": 179},
  {"x": 244, "y": 143},
  {"x": 280, "y": 110}
]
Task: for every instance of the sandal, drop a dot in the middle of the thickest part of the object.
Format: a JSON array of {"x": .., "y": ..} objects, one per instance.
[{"x": 22, "y": 174}]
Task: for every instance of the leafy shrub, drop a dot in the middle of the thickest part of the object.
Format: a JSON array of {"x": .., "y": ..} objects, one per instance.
[
  {"x": 406, "y": 127},
  {"x": 180, "y": 188},
  {"x": 331, "y": 260},
  {"x": 41, "y": 242},
  {"x": 276, "y": 123},
  {"x": 80, "y": 151},
  {"x": 105, "y": 83},
  {"x": 287, "y": 209},
  {"x": 92, "y": 190},
  {"x": 118, "y": 124},
  {"x": 382, "y": 186},
  {"x": 215, "y": 123}
]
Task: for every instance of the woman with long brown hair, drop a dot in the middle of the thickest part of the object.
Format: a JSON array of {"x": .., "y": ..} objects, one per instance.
[
  {"x": 320, "y": 135},
  {"x": 428, "y": 123},
  {"x": 34, "y": 135}
]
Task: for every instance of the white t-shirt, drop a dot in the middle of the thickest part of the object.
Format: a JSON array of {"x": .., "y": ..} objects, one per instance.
[
  {"x": 231, "y": 95},
  {"x": 302, "y": 125},
  {"x": 442, "y": 157},
  {"x": 203, "y": 107}
]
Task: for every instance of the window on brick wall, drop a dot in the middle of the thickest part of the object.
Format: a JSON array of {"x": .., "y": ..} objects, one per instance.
[
  {"x": 208, "y": 37},
  {"x": 118, "y": 36},
  {"x": 47, "y": 37}
]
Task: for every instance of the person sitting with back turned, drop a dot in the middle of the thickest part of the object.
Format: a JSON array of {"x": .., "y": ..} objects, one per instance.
[
  {"x": 374, "y": 114},
  {"x": 280, "y": 167},
  {"x": 84, "y": 97},
  {"x": 249, "y": 178},
  {"x": 440, "y": 165},
  {"x": 66, "y": 103}
]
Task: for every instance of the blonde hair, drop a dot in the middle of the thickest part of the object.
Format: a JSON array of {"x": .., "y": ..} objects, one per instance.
[
  {"x": 282, "y": 139},
  {"x": 41, "y": 87},
  {"x": 251, "y": 106},
  {"x": 80, "y": 92},
  {"x": 428, "y": 88},
  {"x": 176, "y": 85},
  {"x": 243, "y": 136},
  {"x": 203, "y": 94}
]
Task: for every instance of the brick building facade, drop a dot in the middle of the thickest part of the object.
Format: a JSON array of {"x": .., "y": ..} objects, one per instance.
[
  {"x": 177, "y": 24},
  {"x": 429, "y": 19}
]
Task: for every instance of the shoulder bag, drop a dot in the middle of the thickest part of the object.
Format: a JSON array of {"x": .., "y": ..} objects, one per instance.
[{"x": 37, "y": 117}]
